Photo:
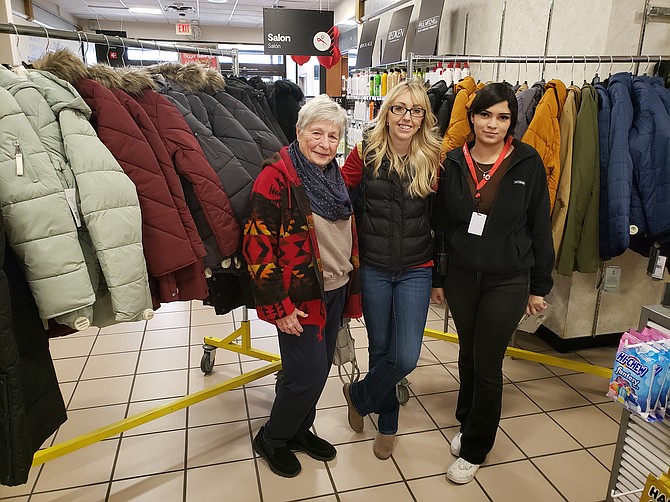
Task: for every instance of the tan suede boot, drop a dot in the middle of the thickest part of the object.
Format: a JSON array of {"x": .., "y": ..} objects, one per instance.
[
  {"x": 383, "y": 445},
  {"x": 355, "y": 418}
]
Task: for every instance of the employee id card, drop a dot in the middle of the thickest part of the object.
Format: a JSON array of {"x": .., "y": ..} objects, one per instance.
[{"x": 477, "y": 223}]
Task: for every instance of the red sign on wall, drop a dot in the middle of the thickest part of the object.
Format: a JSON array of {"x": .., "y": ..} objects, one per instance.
[{"x": 211, "y": 61}]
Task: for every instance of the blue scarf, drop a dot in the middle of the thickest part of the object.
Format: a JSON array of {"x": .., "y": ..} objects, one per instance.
[{"x": 326, "y": 191}]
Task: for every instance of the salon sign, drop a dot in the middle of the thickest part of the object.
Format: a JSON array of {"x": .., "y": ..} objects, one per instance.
[{"x": 297, "y": 32}]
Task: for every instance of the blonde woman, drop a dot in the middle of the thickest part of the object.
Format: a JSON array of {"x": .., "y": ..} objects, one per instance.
[{"x": 396, "y": 168}]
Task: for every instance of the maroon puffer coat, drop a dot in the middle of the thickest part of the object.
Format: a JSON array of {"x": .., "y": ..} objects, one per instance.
[
  {"x": 191, "y": 164},
  {"x": 162, "y": 225}
]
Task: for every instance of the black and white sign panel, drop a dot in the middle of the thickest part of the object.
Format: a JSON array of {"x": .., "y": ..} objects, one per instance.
[
  {"x": 367, "y": 44},
  {"x": 427, "y": 27},
  {"x": 395, "y": 39},
  {"x": 297, "y": 32}
]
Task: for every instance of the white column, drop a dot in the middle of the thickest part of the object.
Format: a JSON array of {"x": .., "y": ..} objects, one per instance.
[{"x": 8, "y": 52}]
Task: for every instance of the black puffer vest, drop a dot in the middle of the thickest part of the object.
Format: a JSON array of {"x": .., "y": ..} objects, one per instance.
[{"x": 394, "y": 228}]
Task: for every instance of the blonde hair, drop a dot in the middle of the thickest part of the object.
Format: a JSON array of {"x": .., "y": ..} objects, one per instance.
[{"x": 423, "y": 158}]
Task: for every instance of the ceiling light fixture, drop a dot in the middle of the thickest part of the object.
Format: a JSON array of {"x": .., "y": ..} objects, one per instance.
[
  {"x": 217, "y": 1},
  {"x": 145, "y": 10}
]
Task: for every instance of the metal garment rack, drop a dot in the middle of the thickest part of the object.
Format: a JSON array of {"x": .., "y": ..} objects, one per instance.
[
  {"x": 109, "y": 40},
  {"x": 574, "y": 59}
]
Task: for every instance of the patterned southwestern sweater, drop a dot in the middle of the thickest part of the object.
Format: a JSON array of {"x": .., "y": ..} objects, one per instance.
[{"x": 282, "y": 252}]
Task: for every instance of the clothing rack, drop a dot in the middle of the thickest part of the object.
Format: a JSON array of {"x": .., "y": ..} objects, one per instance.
[
  {"x": 109, "y": 40},
  {"x": 574, "y": 59}
]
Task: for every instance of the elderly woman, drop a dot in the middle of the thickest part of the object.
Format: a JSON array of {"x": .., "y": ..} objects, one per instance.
[{"x": 301, "y": 249}]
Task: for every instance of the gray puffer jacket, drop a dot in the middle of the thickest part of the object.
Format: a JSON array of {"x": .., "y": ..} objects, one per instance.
[{"x": 236, "y": 182}]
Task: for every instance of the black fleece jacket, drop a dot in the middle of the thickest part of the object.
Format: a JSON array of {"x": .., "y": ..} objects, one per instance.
[{"x": 517, "y": 234}]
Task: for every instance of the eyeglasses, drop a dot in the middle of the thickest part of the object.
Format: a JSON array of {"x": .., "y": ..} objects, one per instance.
[{"x": 401, "y": 110}]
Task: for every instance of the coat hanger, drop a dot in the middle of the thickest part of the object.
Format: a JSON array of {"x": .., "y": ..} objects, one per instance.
[
  {"x": 646, "y": 70},
  {"x": 572, "y": 72},
  {"x": 141, "y": 52},
  {"x": 596, "y": 78},
  {"x": 526, "y": 81},
  {"x": 584, "y": 73},
  {"x": 611, "y": 62},
  {"x": 108, "y": 49},
  {"x": 632, "y": 65}
]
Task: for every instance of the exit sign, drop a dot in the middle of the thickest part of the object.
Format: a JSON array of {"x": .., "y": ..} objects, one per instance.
[{"x": 184, "y": 29}]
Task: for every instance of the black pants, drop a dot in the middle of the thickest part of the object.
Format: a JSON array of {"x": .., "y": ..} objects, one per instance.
[
  {"x": 306, "y": 362},
  {"x": 486, "y": 309}
]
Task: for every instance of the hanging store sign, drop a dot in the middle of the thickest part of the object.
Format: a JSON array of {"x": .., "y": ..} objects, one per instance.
[
  {"x": 298, "y": 32},
  {"x": 183, "y": 29},
  {"x": 367, "y": 44},
  {"x": 395, "y": 38},
  {"x": 210, "y": 61},
  {"x": 427, "y": 27}
]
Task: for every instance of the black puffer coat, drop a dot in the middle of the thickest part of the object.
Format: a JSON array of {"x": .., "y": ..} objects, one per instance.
[
  {"x": 31, "y": 405},
  {"x": 285, "y": 99},
  {"x": 255, "y": 98}
]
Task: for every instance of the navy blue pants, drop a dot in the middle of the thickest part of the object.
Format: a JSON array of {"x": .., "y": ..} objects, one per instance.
[{"x": 306, "y": 362}]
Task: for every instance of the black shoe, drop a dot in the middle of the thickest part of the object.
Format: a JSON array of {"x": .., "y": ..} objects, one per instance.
[
  {"x": 282, "y": 460},
  {"x": 314, "y": 446}
]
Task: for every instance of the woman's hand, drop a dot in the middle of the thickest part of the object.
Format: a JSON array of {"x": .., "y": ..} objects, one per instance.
[
  {"x": 290, "y": 323},
  {"x": 437, "y": 296},
  {"x": 536, "y": 304}
]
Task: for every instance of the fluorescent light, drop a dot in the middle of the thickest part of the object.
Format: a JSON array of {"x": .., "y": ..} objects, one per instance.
[
  {"x": 217, "y": 1},
  {"x": 43, "y": 25},
  {"x": 145, "y": 10}
]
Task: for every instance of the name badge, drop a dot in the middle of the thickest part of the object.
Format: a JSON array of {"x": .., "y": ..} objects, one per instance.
[{"x": 477, "y": 223}]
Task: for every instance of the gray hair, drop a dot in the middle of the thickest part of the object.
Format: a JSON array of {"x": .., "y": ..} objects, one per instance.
[{"x": 319, "y": 109}]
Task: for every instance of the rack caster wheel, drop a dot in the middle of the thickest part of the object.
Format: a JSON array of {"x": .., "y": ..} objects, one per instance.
[
  {"x": 207, "y": 360},
  {"x": 402, "y": 392}
]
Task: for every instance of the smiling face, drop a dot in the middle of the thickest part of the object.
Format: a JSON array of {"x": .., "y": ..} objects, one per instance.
[
  {"x": 318, "y": 142},
  {"x": 404, "y": 119},
  {"x": 491, "y": 125}
]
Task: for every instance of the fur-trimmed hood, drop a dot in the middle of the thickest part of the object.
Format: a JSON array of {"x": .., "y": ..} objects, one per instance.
[
  {"x": 191, "y": 77},
  {"x": 64, "y": 64}
]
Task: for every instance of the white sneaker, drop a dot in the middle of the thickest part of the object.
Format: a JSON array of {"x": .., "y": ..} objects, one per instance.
[
  {"x": 462, "y": 471},
  {"x": 456, "y": 444}
]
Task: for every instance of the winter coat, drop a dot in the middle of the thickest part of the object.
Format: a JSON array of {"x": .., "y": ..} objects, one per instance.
[
  {"x": 113, "y": 215},
  {"x": 205, "y": 196},
  {"x": 544, "y": 133},
  {"x": 191, "y": 79},
  {"x": 459, "y": 126},
  {"x": 517, "y": 234},
  {"x": 444, "y": 113},
  {"x": 663, "y": 93},
  {"x": 650, "y": 150},
  {"x": 567, "y": 127},
  {"x": 285, "y": 100},
  {"x": 236, "y": 182},
  {"x": 604, "y": 120},
  {"x": 31, "y": 405},
  {"x": 265, "y": 140},
  {"x": 184, "y": 278},
  {"x": 37, "y": 196},
  {"x": 436, "y": 94},
  {"x": 254, "y": 96},
  {"x": 527, "y": 102},
  {"x": 282, "y": 252},
  {"x": 45, "y": 124},
  {"x": 620, "y": 166},
  {"x": 579, "y": 249}
]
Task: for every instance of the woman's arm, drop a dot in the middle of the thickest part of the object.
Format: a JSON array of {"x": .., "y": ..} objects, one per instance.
[
  {"x": 352, "y": 170},
  {"x": 539, "y": 226}
]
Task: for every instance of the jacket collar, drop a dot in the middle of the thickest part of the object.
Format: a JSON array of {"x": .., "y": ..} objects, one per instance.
[{"x": 521, "y": 152}]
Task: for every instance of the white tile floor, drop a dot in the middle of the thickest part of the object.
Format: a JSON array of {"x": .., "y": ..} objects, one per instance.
[{"x": 555, "y": 442}]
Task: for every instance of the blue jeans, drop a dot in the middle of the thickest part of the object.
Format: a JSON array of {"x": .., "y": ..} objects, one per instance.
[{"x": 395, "y": 307}]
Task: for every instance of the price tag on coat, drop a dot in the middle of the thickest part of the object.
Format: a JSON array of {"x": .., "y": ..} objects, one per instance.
[
  {"x": 477, "y": 223},
  {"x": 71, "y": 196}
]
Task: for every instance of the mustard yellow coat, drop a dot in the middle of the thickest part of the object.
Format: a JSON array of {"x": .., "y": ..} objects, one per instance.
[
  {"x": 544, "y": 133},
  {"x": 459, "y": 129}
]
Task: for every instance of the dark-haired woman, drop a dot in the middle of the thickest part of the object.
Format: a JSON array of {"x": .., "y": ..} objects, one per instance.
[{"x": 491, "y": 218}]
